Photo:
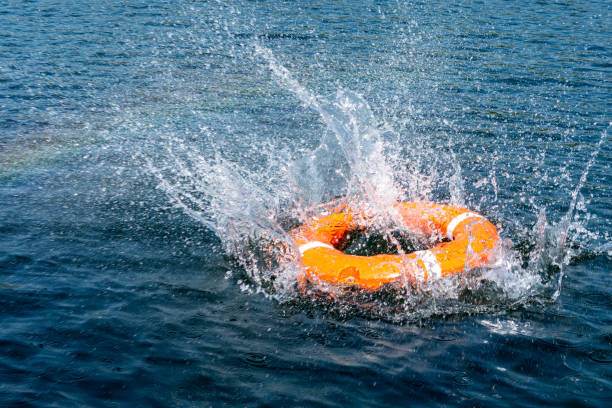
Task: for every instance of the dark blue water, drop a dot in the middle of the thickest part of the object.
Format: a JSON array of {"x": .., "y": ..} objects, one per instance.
[{"x": 147, "y": 147}]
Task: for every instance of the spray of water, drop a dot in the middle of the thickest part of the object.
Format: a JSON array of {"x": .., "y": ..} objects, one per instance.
[{"x": 251, "y": 198}]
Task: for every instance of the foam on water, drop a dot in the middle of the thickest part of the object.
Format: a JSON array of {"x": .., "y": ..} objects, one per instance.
[{"x": 252, "y": 198}]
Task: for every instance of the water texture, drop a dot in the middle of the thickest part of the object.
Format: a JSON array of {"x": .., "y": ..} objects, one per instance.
[{"x": 154, "y": 154}]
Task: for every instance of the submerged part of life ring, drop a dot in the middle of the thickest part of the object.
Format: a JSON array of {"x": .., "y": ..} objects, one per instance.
[{"x": 472, "y": 241}]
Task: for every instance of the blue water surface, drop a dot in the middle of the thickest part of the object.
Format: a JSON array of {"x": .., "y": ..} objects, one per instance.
[{"x": 112, "y": 295}]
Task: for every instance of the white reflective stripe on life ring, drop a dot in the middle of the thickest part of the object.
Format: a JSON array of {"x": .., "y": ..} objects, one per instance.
[
  {"x": 458, "y": 220},
  {"x": 313, "y": 244}
]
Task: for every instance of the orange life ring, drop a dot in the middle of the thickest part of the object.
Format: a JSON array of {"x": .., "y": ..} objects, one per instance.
[{"x": 472, "y": 241}]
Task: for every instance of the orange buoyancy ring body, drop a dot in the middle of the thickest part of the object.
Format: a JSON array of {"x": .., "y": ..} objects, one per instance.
[{"x": 472, "y": 241}]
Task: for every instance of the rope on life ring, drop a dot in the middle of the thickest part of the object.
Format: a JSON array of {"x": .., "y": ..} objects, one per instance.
[{"x": 472, "y": 241}]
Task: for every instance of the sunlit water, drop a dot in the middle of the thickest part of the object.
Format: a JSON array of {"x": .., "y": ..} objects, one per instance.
[{"x": 153, "y": 156}]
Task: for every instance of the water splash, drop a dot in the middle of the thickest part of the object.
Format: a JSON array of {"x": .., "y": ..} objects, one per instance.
[
  {"x": 360, "y": 137},
  {"x": 250, "y": 198},
  {"x": 554, "y": 248}
]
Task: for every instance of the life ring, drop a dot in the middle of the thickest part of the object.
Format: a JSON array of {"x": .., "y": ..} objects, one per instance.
[{"x": 472, "y": 241}]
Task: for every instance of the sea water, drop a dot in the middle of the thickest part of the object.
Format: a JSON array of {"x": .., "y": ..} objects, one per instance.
[{"x": 153, "y": 156}]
